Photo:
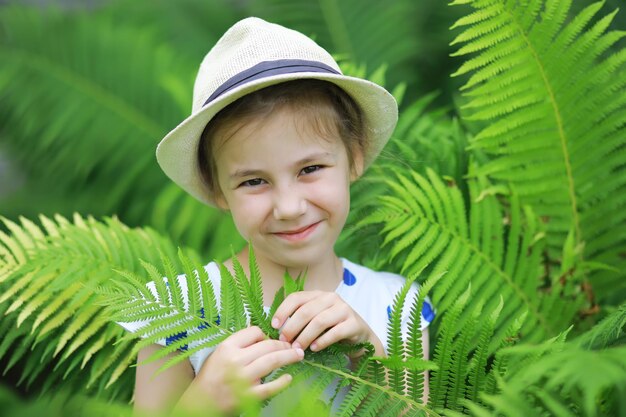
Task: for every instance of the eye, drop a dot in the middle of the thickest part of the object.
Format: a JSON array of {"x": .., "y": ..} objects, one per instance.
[
  {"x": 254, "y": 182},
  {"x": 310, "y": 169}
]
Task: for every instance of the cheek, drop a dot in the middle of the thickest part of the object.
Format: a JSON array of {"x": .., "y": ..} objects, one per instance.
[
  {"x": 334, "y": 197},
  {"x": 248, "y": 213}
]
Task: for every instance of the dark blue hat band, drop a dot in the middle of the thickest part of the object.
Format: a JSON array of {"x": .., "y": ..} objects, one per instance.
[{"x": 267, "y": 69}]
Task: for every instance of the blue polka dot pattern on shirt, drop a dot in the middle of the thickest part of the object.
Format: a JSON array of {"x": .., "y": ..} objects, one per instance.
[
  {"x": 206, "y": 324},
  {"x": 427, "y": 312},
  {"x": 348, "y": 278},
  {"x": 176, "y": 337}
]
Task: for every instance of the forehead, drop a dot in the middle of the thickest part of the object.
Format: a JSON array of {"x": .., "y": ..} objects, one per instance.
[
  {"x": 281, "y": 124},
  {"x": 313, "y": 119},
  {"x": 279, "y": 136}
]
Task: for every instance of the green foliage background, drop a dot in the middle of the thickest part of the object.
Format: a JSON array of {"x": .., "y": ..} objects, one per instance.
[{"x": 504, "y": 183}]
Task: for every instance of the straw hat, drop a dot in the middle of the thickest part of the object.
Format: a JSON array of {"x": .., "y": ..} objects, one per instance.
[{"x": 251, "y": 55}]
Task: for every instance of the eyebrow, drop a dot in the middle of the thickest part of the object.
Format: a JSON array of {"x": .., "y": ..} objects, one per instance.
[{"x": 257, "y": 172}]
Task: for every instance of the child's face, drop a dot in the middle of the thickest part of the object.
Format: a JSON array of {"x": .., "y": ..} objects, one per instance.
[{"x": 286, "y": 187}]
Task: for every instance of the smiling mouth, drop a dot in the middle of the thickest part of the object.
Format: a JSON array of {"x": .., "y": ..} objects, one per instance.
[{"x": 299, "y": 234}]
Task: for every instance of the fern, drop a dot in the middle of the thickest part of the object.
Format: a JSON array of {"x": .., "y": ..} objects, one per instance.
[
  {"x": 561, "y": 379},
  {"x": 553, "y": 93},
  {"x": 533, "y": 221},
  {"x": 423, "y": 220},
  {"x": 61, "y": 403},
  {"x": 162, "y": 316},
  {"x": 477, "y": 378},
  {"x": 368, "y": 391},
  {"x": 423, "y": 138},
  {"x": 88, "y": 81},
  {"x": 396, "y": 350},
  {"x": 443, "y": 353},
  {"x": 109, "y": 112},
  {"x": 608, "y": 332},
  {"x": 355, "y": 30},
  {"x": 252, "y": 293},
  {"x": 51, "y": 323},
  {"x": 414, "y": 349}
]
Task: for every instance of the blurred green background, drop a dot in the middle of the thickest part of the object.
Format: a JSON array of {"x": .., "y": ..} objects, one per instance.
[{"x": 88, "y": 88}]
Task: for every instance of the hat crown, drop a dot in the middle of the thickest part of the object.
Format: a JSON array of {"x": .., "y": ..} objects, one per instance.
[{"x": 246, "y": 44}]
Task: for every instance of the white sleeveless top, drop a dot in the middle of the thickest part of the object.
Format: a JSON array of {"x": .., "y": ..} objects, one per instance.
[{"x": 369, "y": 293}]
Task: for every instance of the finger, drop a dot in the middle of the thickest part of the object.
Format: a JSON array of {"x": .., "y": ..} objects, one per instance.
[
  {"x": 320, "y": 324},
  {"x": 300, "y": 320},
  {"x": 252, "y": 352},
  {"x": 264, "y": 391},
  {"x": 338, "y": 333},
  {"x": 290, "y": 304},
  {"x": 305, "y": 314},
  {"x": 245, "y": 337},
  {"x": 268, "y": 363}
]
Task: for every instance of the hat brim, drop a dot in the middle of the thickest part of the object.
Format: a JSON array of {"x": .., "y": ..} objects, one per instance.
[{"x": 177, "y": 152}]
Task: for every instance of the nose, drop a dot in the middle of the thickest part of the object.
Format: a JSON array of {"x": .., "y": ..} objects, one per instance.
[{"x": 289, "y": 203}]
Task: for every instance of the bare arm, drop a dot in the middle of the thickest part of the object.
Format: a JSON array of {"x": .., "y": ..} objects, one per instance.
[
  {"x": 159, "y": 394},
  {"x": 245, "y": 358}
]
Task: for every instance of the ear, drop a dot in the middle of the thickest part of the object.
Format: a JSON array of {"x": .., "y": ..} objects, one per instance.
[{"x": 357, "y": 164}]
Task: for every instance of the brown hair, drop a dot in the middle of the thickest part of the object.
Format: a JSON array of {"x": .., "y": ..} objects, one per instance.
[{"x": 327, "y": 108}]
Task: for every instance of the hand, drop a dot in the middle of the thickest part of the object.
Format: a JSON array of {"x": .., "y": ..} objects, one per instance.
[
  {"x": 318, "y": 319},
  {"x": 237, "y": 366}
]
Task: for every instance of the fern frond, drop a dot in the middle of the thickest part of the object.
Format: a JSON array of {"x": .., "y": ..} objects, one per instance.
[
  {"x": 395, "y": 342},
  {"x": 232, "y": 296},
  {"x": 443, "y": 353},
  {"x": 50, "y": 274},
  {"x": 477, "y": 377},
  {"x": 378, "y": 393},
  {"x": 353, "y": 29},
  {"x": 94, "y": 102},
  {"x": 424, "y": 218},
  {"x": 423, "y": 138},
  {"x": 62, "y": 402},
  {"x": 414, "y": 348},
  {"x": 568, "y": 380},
  {"x": 459, "y": 368},
  {"x": 108, "y": 90},
  {"x": 162, "y": 318},
  {"x": 552, "y": 88},
  {"x": 209, "y": 310},
  {"x": 605, "y": 333},
  {"x": 254, "y": 289}
]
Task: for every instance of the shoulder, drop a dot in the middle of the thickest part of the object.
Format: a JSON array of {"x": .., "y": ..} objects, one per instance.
[
  {"x": 374, "y": 287},
  {"x": 375, "y": 280},
  {"x": 372, "y": 295}
]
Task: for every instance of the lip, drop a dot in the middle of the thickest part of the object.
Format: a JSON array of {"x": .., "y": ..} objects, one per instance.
[{"x": 298, "y": 234}]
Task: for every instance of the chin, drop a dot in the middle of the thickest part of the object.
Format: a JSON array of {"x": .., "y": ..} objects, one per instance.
[{"x": 300, "y": 258}]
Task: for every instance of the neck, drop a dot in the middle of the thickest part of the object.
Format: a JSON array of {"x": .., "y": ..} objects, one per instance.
[{"x": 324, "y": 275}]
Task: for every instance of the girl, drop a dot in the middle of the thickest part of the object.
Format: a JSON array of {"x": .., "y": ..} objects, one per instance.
[{"x": 276, "y": 136}]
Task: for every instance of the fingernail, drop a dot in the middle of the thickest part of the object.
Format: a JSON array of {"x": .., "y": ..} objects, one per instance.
[
  {"x": 282, "y": 338},
  {"x": 296, "y": 345},
  {"x": 313, "y": 346},
  {"x": 275, "y": 323},
  {"x": 300, "y": 352}
]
